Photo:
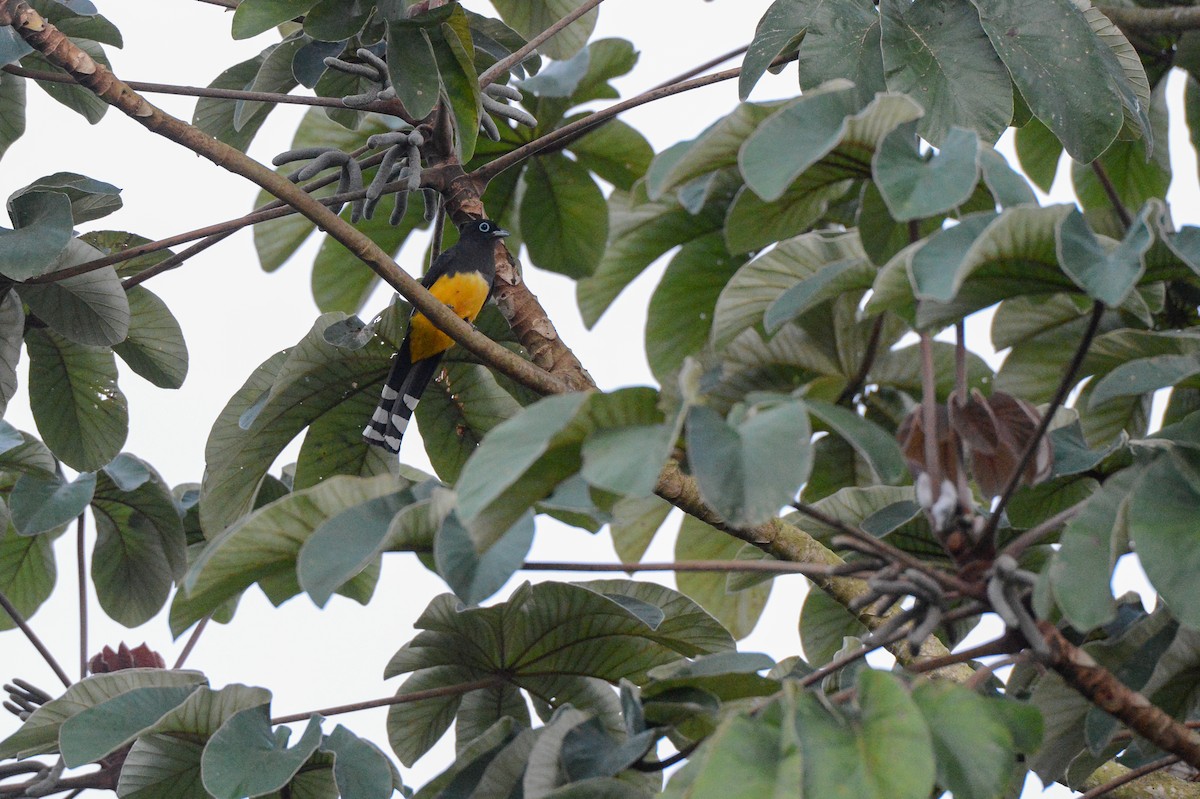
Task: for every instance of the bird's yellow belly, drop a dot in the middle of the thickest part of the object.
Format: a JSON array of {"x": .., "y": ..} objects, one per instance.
[{"x": 465, "y": 294}]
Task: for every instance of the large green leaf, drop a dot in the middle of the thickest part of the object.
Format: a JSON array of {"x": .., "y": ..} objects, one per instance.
[
  {"x": 218, "y": 118},
  {"x": 475, "y": 576},
  {"x": 680, "y": 316},
  {"x": 39, "y": 734},
  {"x": 90, "y": 199},
  {"x": 885, "y": 753},
  {"x": 12, "y": 328},
  {"x": 360, "y": 769},
  {"x": 937, "y": 53},
  {"x": 714, "y": 149},
  {"x": 1107, "y": 275},
  {"x": 1134, "y": 171},
  {"x": 455, "y": 55},
  {"x": 88, "y": 309},
  {"x": 313, "y": 379},
  {"x": 871, "y": 442},
  {"x": 531, "y": 17},
  {"x": 264, "y": 547},
  {"x": 824, "y": 625},
  {"x": 753, "y": 464},
  {"x": 915, "y": 187},
  {"x": 412, "y": 67},
  {"x": 12, "y": 110},
  {"x": 140, "y": 547},
  {"x": 1039, "y": 153},
  {"x": 564, "y": 219},
  {"x": 40, "y": 503},
  {"x": 615, "y": 152},
  {"x": 102, "y": 729},
  {"x": 82, "y": 415},
  {"x": 247, "y": 758},
  {"x": 738, "y": 611},
  {"x": 975, "y": 749},
  {"x": 27, "y": 571},
  {"x": 44, "y": 230},
  {"x": 1162, "y": 527},
  {"x": 154, "y": 347},
  {"x": 1061, "y": 69},
  {"x": 253, "y": 17},
  {"x": 779, "y": 32}
]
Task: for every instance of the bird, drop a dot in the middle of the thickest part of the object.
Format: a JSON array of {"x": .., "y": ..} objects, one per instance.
[{"x": 461, "y": 277}]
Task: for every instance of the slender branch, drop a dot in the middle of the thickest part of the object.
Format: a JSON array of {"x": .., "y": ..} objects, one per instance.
[
  {"x": 59, "y": 50},
  {"x": 1130, "y": 776},
  {"x": 81, "y": 574},
  {"x": 229, "y": 4},
  {"x": 192, "y": 640},
  {"x": 492, "y": 168},
  {"x": 205, "y": 91},
  {"x": 1064, "y": 388},
  {"x": 705, "y": 67},
  {"x": 415, "y": 696},
  {"x": 520, "y": 55},
  {"x": 1004, "y": 645},
  {"x": 1016, "y": 548},
  {"x": 929, "y": 417},
  {"x": 1173, "y": 19},
  {"x": 719, "y": 566},
  {"x": 19, "y": 620}
]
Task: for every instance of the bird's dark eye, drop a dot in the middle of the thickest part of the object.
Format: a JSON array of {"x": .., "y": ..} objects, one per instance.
[{"x": 484, "y": 227}]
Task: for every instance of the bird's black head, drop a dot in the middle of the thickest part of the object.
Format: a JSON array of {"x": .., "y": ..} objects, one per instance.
[{"x": 482, "y": 230}]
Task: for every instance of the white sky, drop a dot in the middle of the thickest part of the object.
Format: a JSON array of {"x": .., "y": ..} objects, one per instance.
[{"x": 234, "y": 316}]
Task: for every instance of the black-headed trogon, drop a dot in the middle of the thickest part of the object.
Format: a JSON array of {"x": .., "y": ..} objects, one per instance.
[{"x": 462, "y": 278}]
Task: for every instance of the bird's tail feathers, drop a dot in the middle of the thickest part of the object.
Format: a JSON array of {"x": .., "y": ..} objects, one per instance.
[{"x": 403, "y": 389}]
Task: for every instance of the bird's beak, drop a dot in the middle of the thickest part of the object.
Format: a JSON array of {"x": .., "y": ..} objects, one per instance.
[{"x": 500, "y": 233}]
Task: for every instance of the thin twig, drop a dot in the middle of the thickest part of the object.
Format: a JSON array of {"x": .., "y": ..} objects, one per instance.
[
  {"x": 19, "y": 620},
  {"x": 1111, "y": 191},
  {"x": 415, "y": 696},
  {"x": 520, "y": 55},
  {"x": 1174, "y": 19},
  {"x": 702, "y": 68},
  {"x": 1064, "y": 388},
  {"x": 998, "y": 646},
  {"x": 229, "y": 4},
  {"x": 929, "y": 417},
  {"x": 492, "y": 168},
  {"x": 1130, "y": 776},
  {"x": 860, "y": 377},
  {"x": 81, "y": 574},
  {"x": 722, "y": 566},
  {"x": 1025, "y": 540},
  {"x": 192, "y": 640}
]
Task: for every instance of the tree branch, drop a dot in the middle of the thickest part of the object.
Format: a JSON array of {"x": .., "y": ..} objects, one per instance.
[
  {"x": 1106, "y": 692},
  {"x": 400, "y": 699},
  {"x": 1129, "y": 776},
  {"x": 711, "y": 566},
  {"x": 19, "y": 620},
  {"x": 60, "y": 51},
  {"x": 1172, "y": 19}
]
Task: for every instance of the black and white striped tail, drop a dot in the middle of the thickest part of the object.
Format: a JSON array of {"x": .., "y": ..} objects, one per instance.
[{"x": 401, "y": 392}]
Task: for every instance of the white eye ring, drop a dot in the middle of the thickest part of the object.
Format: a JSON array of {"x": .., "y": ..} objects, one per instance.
[{"x": 484, "y": 227}]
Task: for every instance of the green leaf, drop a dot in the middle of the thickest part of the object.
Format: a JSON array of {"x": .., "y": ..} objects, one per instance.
[
  {"x": 1161, "y": 526},
  {"x": 475, "y": 576},
  {"x": 12, "y": 110},
  {"x": 915, "y": 187},
  {"x": 90, "y": 199},
  {"x": 830, "y": 281},
  {"x": 751, "y": 466},
  {"x": 871, "y": 442},
  {"x": 779, "y": 32},
  {"x": 412, "y": 67},
  {"x": 360, "y": 769},
  {"x": 824, "y": 625},
  {"x": 680, "y": 317},
  {"x": 634, "y": 523},
  {"x": 27, "y": 571},
  {"x": 796, "y": 137},
  {"x": 218, "y": 118},
  {"x": 313, "y": 379},
  {"x": 615, "y": 152},
  {"x": 1060, "y": 68},
  {"x": 714, "y": 149},
  {"x": 1039, "y": 152},
  {"x": 265, "y": 546},
  {"x": 79, "y": 410},
  {"x": 39, "y": 734},
  {"x": 1144, "y": 375},
  {"x": 154, "y": 347},
  {"x": 162, "y": 763},
  {"x": 1135, "y": 172},
  {"x": 455, "y": 55},
  {"x": 531, "y": 17},
  {"x": 275, "y": 75},
  {"x": 886, "y": 753},
  {"x": 639, "y": 231},
  {"x": 88, "y": 309},
  {"x": 739, "y": 611},
  {"x": 346, "y": 543},
  {"x": 974, "y": 747},
  {"x": 936, "y": 53},
  {"x": 564, "y": 219},
  {"x": 803, "y": 261},
  {"x": 140, "y": 547},
  {"x": 42, "y": 233},
  {"x": 519, "y": 462},
  {"x": 247, "y": 758},
  {"x": 1106, "y": 275},
  {"x": 626, "y": 452},
  {"x": 40, "y": 503},
  {"x": 253, "y": 17},
  {"x": 335, "y": 20},
  {"x": 102, "y": 729}
]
